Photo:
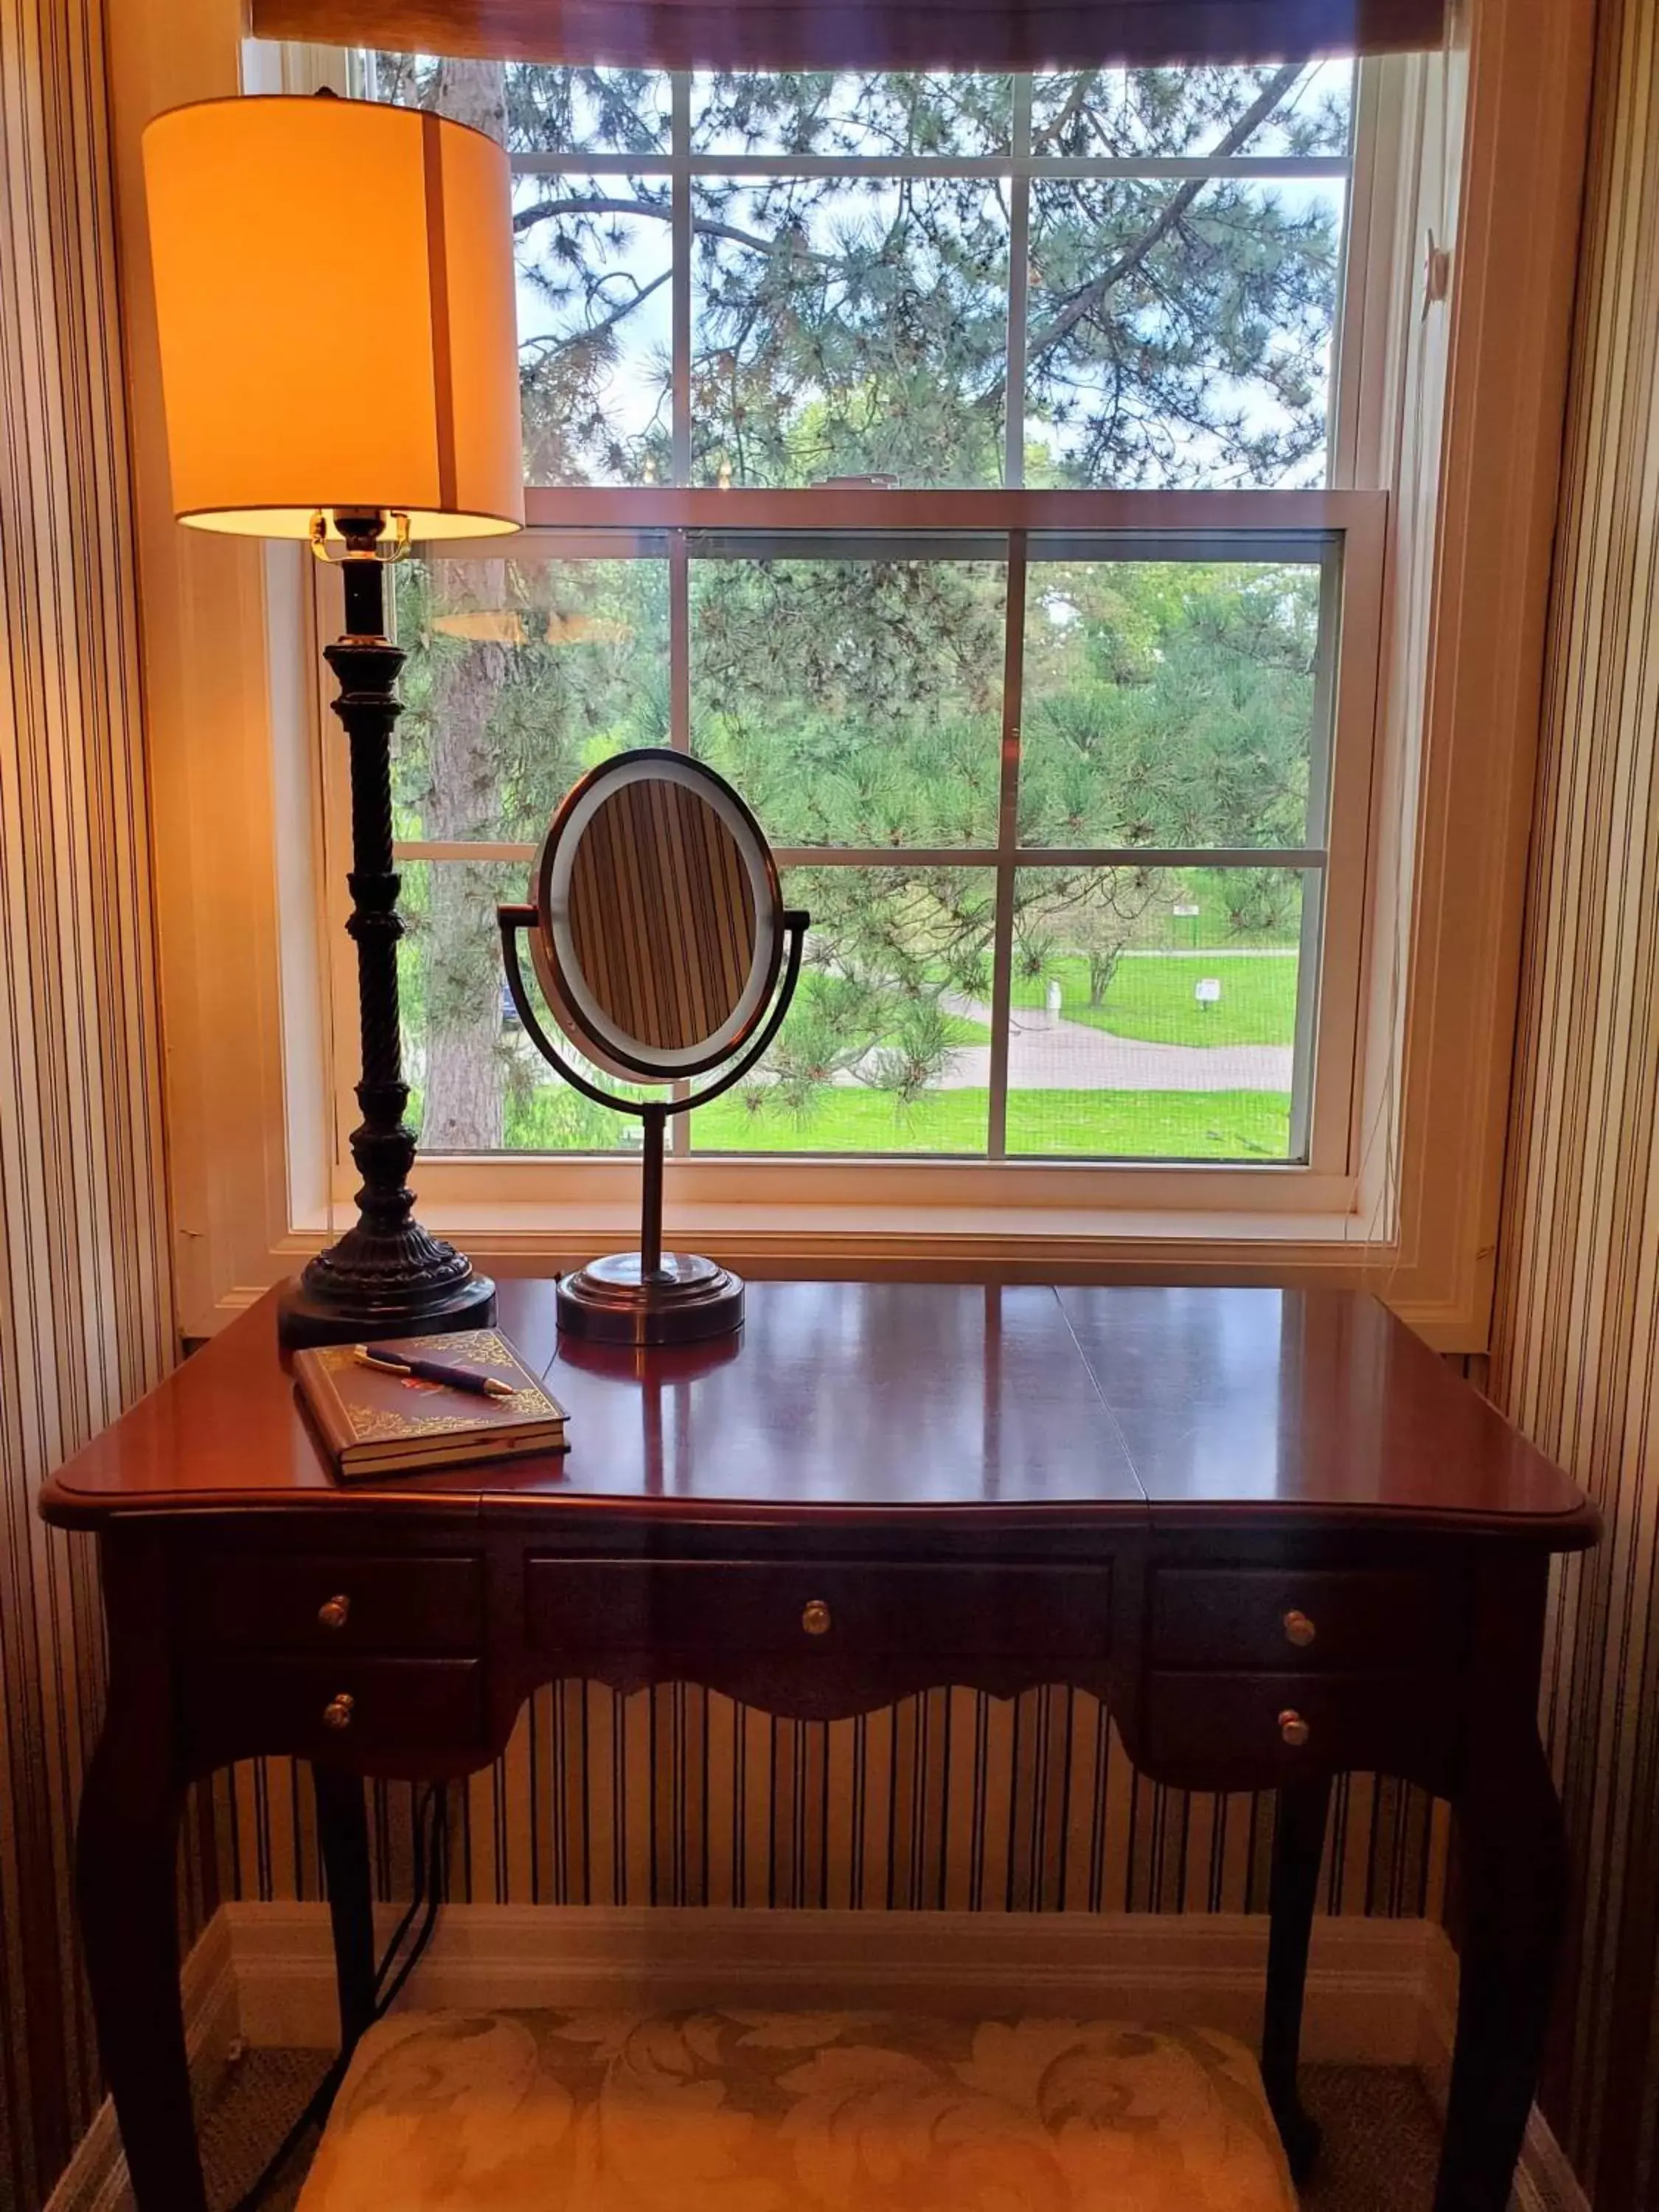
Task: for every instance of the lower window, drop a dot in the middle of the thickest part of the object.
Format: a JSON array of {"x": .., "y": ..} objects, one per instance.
[{"x": 1078, "y": 817}]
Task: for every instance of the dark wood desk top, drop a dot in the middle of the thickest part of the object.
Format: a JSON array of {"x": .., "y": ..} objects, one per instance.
[{"x": 1003, "y": 1406}]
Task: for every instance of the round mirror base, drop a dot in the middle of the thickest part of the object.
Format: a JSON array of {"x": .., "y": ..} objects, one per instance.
[{"x": 685, "y": 1300}]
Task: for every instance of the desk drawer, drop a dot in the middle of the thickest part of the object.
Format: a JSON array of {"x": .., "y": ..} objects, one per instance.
[
  {"x": 577, "y": 1606},
  {"x": 342, "y": 1703},
  {"x": 304, "y": 1602},
  {"x": 1320, "y": 1620},
  {"x": 1261, "y": 1728}
]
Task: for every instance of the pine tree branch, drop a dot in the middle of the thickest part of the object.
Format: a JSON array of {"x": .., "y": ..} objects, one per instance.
[
  {"x": 543, "y": 211},
  {"x": 1089, "y": 297},
  {"x": 619, "y": 313}
]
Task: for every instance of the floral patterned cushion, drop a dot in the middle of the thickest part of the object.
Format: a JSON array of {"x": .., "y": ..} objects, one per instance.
[{"x": 751, "y": 2112}]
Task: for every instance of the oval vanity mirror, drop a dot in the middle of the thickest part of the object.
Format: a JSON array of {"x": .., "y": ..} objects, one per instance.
[
  {"x": 659, "y": 936},
  {"x": 661, "y": 922}
]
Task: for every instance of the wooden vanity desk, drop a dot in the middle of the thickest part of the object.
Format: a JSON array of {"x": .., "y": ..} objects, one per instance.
[{"x": 1271, "y": 1527}]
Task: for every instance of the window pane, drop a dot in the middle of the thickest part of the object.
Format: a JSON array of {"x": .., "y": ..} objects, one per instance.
[
  {"x": 595, "y": 255},
  {"x": 853, "y": 702},
  {"x": 1179, "y": 331},
  {"x": 885, "y": 1049},
  {"x": 848, "y": 328},
  {"x": 521, "y": 675},
  {"x": 868, "y": 115},
  {"x": 1171, "y": 703},
  {"x": 1126, "y": 114},
  {"x": 476, "y": 1083},
  {"x": 1154, "y": 1012},
  {"x": 548, "y": 109}
]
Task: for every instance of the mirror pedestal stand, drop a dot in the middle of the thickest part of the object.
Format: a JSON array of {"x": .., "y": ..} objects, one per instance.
[
  {"x": 386, "y": 1276},
  {"x": 651, "y": 1296},
  {"x": 647, "y": 1296}
]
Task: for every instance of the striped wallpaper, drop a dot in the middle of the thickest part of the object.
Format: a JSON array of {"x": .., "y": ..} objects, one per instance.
[
  {"x": 1575, "y": 1353},
  {"x": 675, "y": 1795},
  {"x": 84, "y": 1319},
  {"x": 950, "y": 1800}
]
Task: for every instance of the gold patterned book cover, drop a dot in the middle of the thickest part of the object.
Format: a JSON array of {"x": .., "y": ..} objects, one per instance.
[{"x": 376, "y": 1422}]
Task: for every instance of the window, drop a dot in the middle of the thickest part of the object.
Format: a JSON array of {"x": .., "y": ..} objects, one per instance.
[{"x": 961, "y": 466}]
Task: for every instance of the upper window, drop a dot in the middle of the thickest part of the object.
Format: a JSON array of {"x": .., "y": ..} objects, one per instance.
[
  {"x": 1113, "y": 279},
  {"x": 1060, "y": 773}
]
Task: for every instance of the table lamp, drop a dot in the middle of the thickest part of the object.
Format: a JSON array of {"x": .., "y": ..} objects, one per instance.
[{"x": 334, "y": 299}]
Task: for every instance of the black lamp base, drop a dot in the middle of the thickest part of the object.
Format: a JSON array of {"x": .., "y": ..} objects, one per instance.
[
  {"x": 385, "y": 1277},
  {"x": 682, "y": 1300},
  {"x": 303, "y": 1318}
]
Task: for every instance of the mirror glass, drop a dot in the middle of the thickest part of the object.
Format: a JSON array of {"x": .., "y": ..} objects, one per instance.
[{"x": 658, "y": 908}]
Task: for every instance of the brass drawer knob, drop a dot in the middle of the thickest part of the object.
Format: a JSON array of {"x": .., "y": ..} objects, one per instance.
[
  {"x": 1293, "y": 1728},
  {"x": 1298, "y": 1629},
  {"x": 336, "y": 1713},
  {"x": 335, "y": 1612},
  {"x": 815, "y": 1619}
]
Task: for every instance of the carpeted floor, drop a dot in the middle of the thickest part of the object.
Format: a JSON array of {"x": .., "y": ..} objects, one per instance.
[{"x": 1381, "y": 2135}]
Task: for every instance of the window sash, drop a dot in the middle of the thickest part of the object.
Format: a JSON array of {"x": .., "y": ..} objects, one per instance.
[
  {"x": 1346, "y": 532},
  {"x": 1019, "y": 167}
]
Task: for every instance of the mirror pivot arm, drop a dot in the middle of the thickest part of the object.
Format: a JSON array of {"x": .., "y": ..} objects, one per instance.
[{"x": 511, "y": 920}]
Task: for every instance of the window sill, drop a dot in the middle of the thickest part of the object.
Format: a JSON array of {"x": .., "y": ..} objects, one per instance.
[{"x": 1033, "y": 1243}]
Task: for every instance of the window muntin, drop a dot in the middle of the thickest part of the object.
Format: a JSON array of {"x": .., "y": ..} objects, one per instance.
[{"x": 661, "y": 352}]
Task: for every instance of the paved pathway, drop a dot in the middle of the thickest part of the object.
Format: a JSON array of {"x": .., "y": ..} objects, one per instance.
[{"x": 1050, "y": 1054}]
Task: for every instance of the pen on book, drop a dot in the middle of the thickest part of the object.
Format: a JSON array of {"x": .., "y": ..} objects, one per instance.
[{"x": 431, "y": 1371}]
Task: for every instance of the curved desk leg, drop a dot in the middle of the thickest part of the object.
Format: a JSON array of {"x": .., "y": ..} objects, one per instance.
[
  {"x": 1515, "y": 1881},
  {"x": 1298, "y": 1845},
  {"x": 343, "y": 1835},
  {"x": 125, "y": 1884}
]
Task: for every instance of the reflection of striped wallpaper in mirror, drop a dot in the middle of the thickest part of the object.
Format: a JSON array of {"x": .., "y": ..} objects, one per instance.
[
  {"x": 84, "y": 1321},
  {"x": 661, "y": 914},
  {"x": 1575, "y": 1355}
]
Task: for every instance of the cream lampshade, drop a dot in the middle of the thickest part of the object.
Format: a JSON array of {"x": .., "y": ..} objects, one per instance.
[
  {"x": 334, "y": 294},
  {"x": 334, "y": 300}
]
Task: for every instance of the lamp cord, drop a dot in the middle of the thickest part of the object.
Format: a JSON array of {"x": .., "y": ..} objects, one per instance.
[{"x": 431, "y": 1883}]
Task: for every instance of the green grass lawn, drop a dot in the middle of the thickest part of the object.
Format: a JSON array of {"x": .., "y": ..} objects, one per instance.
[
  {"x": 1152, "y": 1000},
  {"x": 1203, "y": 1125}
]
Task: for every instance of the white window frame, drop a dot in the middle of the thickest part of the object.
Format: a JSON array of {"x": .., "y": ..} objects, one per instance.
[
  {"x": 598, "y": 520},
  {"x": 1466, "y": 429}
]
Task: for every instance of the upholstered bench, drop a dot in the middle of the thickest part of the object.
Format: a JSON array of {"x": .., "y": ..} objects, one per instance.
[{"x": 751, "y": 2112}]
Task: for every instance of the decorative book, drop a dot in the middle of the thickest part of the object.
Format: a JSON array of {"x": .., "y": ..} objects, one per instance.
[{"x": 374, "y": 1423}]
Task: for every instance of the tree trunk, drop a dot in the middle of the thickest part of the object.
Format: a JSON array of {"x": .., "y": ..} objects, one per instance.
[
  {"x": 1103, "y": 966},
  {"x": 463, "y": 1077}
]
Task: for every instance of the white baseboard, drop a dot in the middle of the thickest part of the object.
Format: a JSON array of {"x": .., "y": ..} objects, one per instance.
[
  {"x": 95, "y": 2178},
  {"x": 1366, "y": 1982},
  {"x": 1437, "y": 2021},
  {"x": 1380, "y": 1992},
  {"x": 1544, "y": 2180}
]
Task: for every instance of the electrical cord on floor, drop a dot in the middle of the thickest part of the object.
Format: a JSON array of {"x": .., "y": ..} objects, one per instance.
[{"x": 430, "y": 1882}]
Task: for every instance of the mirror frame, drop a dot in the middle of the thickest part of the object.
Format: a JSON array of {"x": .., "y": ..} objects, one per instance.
[{"x": 552, "y": 954}]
